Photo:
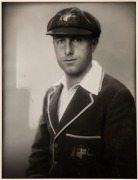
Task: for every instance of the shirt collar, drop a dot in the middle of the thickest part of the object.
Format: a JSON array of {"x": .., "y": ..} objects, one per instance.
[{"x": 91, "y": 82}]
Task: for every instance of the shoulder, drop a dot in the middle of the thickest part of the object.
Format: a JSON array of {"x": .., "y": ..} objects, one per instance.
[
  {"x": 114, "y": 89},
  {"x": 112, "y": 84},
  {"x": 116, "y": 95}
]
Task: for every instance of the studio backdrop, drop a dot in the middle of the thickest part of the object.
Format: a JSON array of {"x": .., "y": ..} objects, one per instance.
[{"x": 29, "y": 66}]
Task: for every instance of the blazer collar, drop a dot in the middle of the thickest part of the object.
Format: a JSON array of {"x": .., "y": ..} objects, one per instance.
[
  {"x": 75, "y": 108},
  {"x": 53, "y": 98},
  {"x": 73, "y": 111}
]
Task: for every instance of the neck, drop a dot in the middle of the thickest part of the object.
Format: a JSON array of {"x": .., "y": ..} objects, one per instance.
[{"x": 72, "y": 80}]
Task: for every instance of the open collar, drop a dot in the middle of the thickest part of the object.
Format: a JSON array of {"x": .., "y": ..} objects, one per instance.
[{"x": 92, "y": 81}]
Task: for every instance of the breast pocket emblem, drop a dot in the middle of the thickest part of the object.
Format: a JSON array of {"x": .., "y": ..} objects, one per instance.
[{"x": 81, "y": 152}]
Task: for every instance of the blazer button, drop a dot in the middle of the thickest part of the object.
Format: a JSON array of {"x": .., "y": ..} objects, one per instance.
[
  {"x": 55, "y": 163},
  {"x": 55, "y": 145},
  {"x": 78, "y": 174}
]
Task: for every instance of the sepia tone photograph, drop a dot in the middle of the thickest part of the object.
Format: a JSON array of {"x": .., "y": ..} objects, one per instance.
[{"x": 69, "y": 90}]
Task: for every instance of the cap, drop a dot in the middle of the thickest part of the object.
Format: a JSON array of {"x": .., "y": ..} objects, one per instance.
[{"x": 73, "y": 21}]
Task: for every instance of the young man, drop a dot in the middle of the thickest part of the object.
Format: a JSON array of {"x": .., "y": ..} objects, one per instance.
[{"x": 88, "y": 125}]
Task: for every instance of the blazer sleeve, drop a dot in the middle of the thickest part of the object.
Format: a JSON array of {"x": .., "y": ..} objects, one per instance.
[
  {"x": 120, "y": 136},
  {"x": 39, "y": 160}
]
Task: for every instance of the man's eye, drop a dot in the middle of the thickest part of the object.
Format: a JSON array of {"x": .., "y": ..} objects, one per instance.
[
  {"x": 76, "y": 40},
  {"x": 59, "y": 41}
]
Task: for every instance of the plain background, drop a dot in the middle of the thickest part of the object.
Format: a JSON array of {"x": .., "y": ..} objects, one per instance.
[{"x": 30, "y": 67}]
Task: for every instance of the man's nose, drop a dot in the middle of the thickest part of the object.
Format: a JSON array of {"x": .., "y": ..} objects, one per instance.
[{"x": 68, "y": 48}]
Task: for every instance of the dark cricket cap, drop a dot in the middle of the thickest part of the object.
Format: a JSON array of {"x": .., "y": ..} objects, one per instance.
[{"x": 73, "y": 21}]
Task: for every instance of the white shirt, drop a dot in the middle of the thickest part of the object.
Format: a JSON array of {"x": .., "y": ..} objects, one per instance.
[{"x": 91, "y": 82}]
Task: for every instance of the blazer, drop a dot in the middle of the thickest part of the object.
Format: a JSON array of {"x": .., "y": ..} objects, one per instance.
[{"x": 95, "y": 138}]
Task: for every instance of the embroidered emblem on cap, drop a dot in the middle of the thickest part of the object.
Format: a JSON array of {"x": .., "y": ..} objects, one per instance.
[{"x": 68, "y": 17}]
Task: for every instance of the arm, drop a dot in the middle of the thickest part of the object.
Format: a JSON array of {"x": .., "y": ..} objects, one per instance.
[
  {"x": 120, "y": 137},
  {"x": 39, "y": 159}
]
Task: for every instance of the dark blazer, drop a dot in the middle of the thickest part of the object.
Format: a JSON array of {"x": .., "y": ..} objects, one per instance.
[{"x": 96, "y": 137}]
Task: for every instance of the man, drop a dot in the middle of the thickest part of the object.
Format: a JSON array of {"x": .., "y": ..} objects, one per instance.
[{"x": 88, "y": 125}]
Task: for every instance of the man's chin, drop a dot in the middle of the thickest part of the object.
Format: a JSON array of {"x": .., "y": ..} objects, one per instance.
[{"x": 74, "y": 74}]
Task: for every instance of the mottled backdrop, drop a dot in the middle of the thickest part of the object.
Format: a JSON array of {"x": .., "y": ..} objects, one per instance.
[{"x": 30, "y": 67}]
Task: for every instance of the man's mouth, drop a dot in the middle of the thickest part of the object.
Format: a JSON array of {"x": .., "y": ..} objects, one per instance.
[{"x": 70, "y": 60}]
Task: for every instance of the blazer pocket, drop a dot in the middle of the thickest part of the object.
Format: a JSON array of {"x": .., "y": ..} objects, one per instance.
[{"x": 82, "y": 146}]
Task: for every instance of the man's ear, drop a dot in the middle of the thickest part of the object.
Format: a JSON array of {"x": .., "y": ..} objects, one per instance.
[{"x": 95, "y": 42}]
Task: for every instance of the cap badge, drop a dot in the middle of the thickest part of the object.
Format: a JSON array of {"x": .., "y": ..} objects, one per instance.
[{"x": 68, "y": 17}]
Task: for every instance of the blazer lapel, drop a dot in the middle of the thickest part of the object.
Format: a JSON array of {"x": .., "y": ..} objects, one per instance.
[
  {"x": 53, "y": 107},
  {"x": 79, "y": 103}
]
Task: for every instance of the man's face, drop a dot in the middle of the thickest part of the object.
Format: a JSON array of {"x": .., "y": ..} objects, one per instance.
[{"x": 74, "y": 53}]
